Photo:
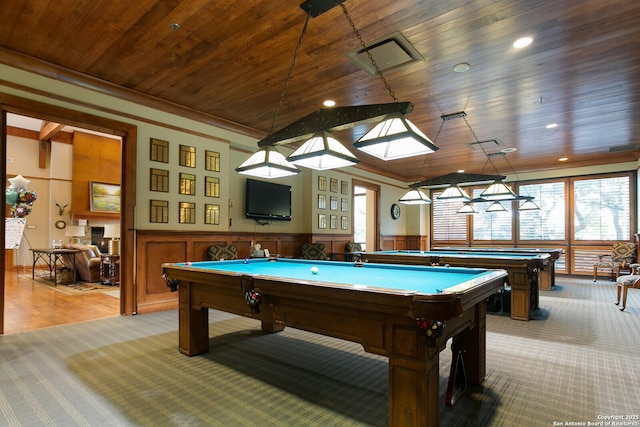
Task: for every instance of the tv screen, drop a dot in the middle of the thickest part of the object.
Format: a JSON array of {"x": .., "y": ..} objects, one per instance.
[{"x": 267, "y": 200}]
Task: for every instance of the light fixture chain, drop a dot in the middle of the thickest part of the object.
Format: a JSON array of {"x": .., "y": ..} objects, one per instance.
[
  {"x": 481, "y": 147},
  {"x": 286, "y": 80},
  {"x": 426, "y": 157},
  {"x": 366, "y": 49}
]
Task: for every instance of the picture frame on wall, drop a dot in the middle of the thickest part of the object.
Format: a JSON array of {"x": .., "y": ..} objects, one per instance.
[{"x": 104, "y": 197}]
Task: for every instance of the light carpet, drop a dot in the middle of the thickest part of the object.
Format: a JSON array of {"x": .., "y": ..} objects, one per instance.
[{"x": 579, "y": 363}]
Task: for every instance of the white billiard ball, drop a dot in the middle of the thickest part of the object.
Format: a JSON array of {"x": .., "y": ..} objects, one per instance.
[{"x": 315, "y": 270}]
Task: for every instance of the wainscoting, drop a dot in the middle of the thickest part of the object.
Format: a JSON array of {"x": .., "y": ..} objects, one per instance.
[{"x": 154, "y": 248}]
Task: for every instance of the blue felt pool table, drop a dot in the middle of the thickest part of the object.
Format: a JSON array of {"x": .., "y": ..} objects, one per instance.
[
  {"x": 523, "y": 268},
  {"x": 404, "y": 312}
]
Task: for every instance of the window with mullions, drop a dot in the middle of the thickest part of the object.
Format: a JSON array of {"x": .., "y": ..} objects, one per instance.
[
  {"x": 448, "y": 225},
  {"x": 492, "y": 226},
  {"x": 549, "y": 222},
  {"x": 602, "y": 208}
]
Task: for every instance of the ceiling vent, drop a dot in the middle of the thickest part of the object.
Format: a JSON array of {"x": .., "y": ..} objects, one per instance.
[
  {"x": 486, "y": 145},
  {"x": 389, "y": 52},
  {"x": 619, "y": 148}
]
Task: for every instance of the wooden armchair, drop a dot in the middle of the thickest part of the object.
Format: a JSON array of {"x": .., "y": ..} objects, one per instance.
[
  {"x": 623, "y": 254},
  {"x": 623, "y": 284}
]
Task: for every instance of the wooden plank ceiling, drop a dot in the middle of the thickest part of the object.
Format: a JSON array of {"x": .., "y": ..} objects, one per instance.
[{"x": 229, "y": 60}]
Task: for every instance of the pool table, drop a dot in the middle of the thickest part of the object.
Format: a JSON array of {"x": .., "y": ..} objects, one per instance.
[
  {"x": 522, "y": 268},
  {"x": 408, "y": 320},
  {"x": 547, "y": 274}
]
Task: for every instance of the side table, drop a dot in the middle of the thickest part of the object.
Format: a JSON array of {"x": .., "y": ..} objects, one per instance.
[{"x": 110, "y": 269}]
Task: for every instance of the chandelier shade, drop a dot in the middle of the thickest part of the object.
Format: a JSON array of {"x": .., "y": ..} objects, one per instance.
[
  {"x": 267, "y": 162},
  {"x": 322, "y": 152},
  {"x": 496, "y": 207},
  {"x": 395, "y": 138},
  {"x": 415, "y": 197},
  {"x": 454, "y": 193},
  {"x": 528, "y": 205},
  {"x": 467, "y": 208},
  {"x": 498, "y": 191}
]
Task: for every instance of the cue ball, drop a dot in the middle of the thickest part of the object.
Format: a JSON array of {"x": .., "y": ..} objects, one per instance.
[
  {"x": 187, "y": 263},
  {"x": 315, "y": 270}
]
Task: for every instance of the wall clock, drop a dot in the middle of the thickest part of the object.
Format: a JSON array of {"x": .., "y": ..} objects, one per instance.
[{"x": 395, "y": 211}]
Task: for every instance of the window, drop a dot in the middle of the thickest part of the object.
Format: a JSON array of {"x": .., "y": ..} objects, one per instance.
[
  {"x": 548, "y": 223},
  {"x": 602, "y": 208},
  {"x": 492, "y": 225},
  {"x": 448, "y": 225},
  {"x": 159, "y": 150}
]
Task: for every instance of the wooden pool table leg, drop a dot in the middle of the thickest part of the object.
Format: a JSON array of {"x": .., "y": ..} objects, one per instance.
[
  {"x": 414, "y": 380},
  {"x": 193, "y": 324}
]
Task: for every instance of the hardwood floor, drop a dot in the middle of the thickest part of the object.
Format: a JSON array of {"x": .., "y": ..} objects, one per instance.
[{"x": 30, "y": 305}]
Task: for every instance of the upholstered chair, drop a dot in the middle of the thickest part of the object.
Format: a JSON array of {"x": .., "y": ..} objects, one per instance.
[
  {"x": 218, "y": 252},
  {"x": 314, "y": 251},
  {"x": 623, "y": 284},
  {"x": 623, "y": 254},
  {"x": 87, "y": 261},
  {"x": 353, "y": 247}
]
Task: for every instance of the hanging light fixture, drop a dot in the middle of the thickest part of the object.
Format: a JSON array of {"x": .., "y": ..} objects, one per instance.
[
  {"x": 498, "y": 191},
  {"x": 322, "y": 152},
  {"x": 496, "y": 207},
  {"x": 395, "y": 138},
  {"x": 454, "y": 193},
  {"x": 528, "y": 205},
  {"x": 467, "y": 208},
  {"x": 415, "y": 197},
  {"x": 267, "y": 162}
]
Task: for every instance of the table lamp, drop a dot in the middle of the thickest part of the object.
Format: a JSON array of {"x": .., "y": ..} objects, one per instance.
[
  {"x": 74, "y": 232},
  {"x": 112, "y": 232}
]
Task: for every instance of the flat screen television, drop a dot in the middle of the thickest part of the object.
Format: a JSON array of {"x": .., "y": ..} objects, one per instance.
[{"x": 267, "y": 200}]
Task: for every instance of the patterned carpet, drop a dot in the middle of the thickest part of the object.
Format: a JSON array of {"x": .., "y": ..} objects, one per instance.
[{"x": 578, "y": 362}]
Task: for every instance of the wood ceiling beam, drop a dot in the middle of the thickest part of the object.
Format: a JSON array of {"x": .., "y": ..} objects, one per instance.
[{"x": 48, "y": 130}]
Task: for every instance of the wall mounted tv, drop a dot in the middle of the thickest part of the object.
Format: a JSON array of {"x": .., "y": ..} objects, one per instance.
[{"x": 267, "y": 200}]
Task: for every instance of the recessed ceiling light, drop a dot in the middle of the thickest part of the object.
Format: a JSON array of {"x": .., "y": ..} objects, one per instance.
[
  {"x": 329, "y": 103},
  {"x": 552, "y": 125},
  {"x": 508, "y": 150},
  {"x": 462, "y": 67},
  {"x": 563, "y": 159},
  {"x": 522, "y": 42},
  {"x": 460, "y": 170},
  {"x": 174, "y": 26}
]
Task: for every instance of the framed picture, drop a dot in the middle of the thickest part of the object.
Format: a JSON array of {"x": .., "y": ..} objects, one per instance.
[{"x": 104, "y": 197}]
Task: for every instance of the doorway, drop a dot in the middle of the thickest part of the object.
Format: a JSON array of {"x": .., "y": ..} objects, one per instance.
[
  {"x": 128, "y": 133},
  {"x": 366, "y": 228}
]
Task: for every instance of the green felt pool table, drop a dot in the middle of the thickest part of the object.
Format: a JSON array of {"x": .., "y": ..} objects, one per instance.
[
  {"x": 523, "y": 269},
  {"x": 404, "y": 312}
]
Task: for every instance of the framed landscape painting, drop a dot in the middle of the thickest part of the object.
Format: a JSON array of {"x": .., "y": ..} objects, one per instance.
[{"x": 104, "y": 197}]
